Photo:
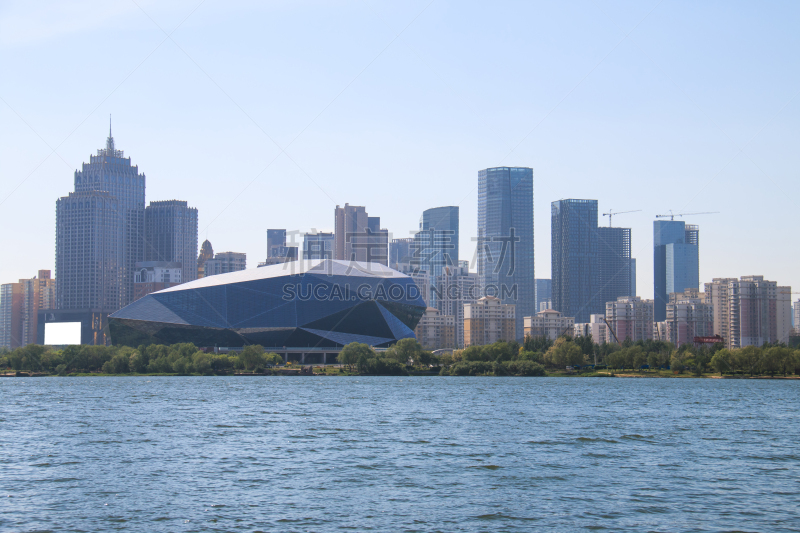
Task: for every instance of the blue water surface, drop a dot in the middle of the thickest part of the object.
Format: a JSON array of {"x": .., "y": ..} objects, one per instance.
[{"x": 398, "y": 454}]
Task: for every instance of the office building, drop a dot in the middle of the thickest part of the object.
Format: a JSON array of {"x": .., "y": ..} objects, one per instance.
[
  {"x": 153, "y": 276},
  {"x": 278, "y": 250},
  {"x": 401, "y": 253},
  {"x": 505, "y": 239},
  {"x": 676, "y": 265},
  {"x": 596, "y": 328},
  {"x": 550, "y": 324},
  {"x": 100, "y": 233},
  {"x": 544, "y": 293},
  {"x": 436, "y": 242},
  {"x": 689, "y": 315},
  {"x": 171, "y": 236},
  {"x": 455, "y": 288},
  {"x": 630, "y": 317},
  {"x": 747, "y": 311},
  {"x": 359, "y": 237},
  {"x": 575, "y": 260},
  {"x": 489, "y": 320},
  {"x": 614, "y": 263},
  {"x": 318, "y": 246},
  {"x": 633, "y": 277},
  {"x": 225, "y": 262},
  {"x": 436, "y": 331},
  {"x": 206, "y": 253}
]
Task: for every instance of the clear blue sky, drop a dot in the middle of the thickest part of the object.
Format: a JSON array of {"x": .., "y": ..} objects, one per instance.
[{"x": 267, "y": 115}]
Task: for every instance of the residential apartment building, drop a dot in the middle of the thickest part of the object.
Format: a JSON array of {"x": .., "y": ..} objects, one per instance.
[
  {"x": 435, "y": 330},
  {"x": 225, "y": 262},
  {"x": 154, "y": 276},
  {"x": 747, "y": 311},
  {"x": 549, "y": 323},
  {"x": 689, "y": 315},
  {"x": 596, "y": 327},
  {"x": 359, "y": 237},
  {"x": 630, "y": 318},
  {"x": 455, "y": 288},
  {"x": 20, "y": 304},
  {"x": 489, "y": 320}
]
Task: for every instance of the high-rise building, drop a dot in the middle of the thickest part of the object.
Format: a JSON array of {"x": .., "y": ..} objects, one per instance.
[
  {"x": 436, "y": 331},
  {"x": 689, "y": 315},
  {"x": 455, "y": 288},
  {"x": 318, "y": 245},
  {"x": 225, "y": 262},
  {"x": 784, "y": 314},
  {"x": 505, "y": 238},
  {"x": 20, "y": 304},
  {"x": 630, "y": 317},
  {"x": 614, "y": 262},
  {"x": 401, "y": 253},
  {"x": 633, "y": 277},
  {"x": 487, "y": 321},
  {"x": 436, "y": 243},
  {"x": 206, "y": 253},
  {"x": 575, "y": 262},
  {"x": 100, "y": 233},
  {"x": 11, "y": 315},
  {"x": 676, "y": 265},
  {"x": 544, "y": 293},
  {"x": 171, "y": 236},
  {"x": 278, "y": 251},
  {"x": 550, "y": 324},
  {"x": 747, "y": 311},
  {"x": 796, "y": 316},
  {"x": 359, "y": 237}
]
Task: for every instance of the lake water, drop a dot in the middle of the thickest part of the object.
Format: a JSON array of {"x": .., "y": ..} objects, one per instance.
[{"x": 398, "y": 454}]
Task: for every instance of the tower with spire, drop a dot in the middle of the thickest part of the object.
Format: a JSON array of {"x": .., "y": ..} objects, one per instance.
[{"x": 100, "y": 232}]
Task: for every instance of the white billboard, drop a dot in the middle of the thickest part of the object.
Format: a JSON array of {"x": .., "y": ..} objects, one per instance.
[{"x": 62, "y": 333}]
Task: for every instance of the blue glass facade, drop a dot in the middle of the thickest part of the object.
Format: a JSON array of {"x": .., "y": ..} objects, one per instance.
[
  {"x": 505, "y": 238},
  {"x": 676, "y": 262},
  {"x": 436, "y": 243},
  {"x": 327, "y": 304},
  {"x": 574, "y": 259}
]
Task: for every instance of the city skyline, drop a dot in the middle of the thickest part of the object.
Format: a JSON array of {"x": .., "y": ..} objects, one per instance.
[{"x": 601, "y": 125}]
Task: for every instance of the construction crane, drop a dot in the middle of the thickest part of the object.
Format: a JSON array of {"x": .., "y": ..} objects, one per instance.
[
  {"x": 673, "y": 215},
  {"x": 611, "y": 212}
]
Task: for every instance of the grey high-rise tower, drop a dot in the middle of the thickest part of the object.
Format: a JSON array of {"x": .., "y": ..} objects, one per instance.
[
  {"x": 574, "y": 259},
  {"x": 614, "y": 262},
  {"x": 171, "y": 235},
  {"x": 676, "y": 264},
  {"x": 100, "y": 233},
  {"x": 505, "y": 238}
]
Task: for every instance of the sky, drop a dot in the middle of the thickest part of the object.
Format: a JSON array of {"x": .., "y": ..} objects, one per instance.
[{"x": 269, "y": 114}]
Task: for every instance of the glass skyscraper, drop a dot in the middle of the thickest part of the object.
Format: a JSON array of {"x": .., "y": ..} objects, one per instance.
[
  {"x": 436, "y": 243},
  {"x": 505, "y": 238},
  {"x": 676, "y": 261},
  {"x": 574, "y": 259},
  {"x": 614, "y": 262},
  {"x": 100, "y": 233},
  {"x": 171, "y": 235}
]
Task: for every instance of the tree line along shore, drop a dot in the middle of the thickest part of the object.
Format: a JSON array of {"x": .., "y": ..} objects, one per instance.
[{"x": 536, "y": 356}]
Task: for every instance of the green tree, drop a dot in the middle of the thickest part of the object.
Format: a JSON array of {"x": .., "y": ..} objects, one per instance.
[
  {"x": 201, "y": 362},
  {"x": 252, "y": 357},
  {"x": 721, "y": 361},
  {"x": 350, "y": 353},
  {"x": 564, "y": 353},
  {"x": 677, "y": 362},
  {"x": 653, "y": 360},
  {"x": 748, "y": 358},
  {"x": 404, "y": 350}
]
